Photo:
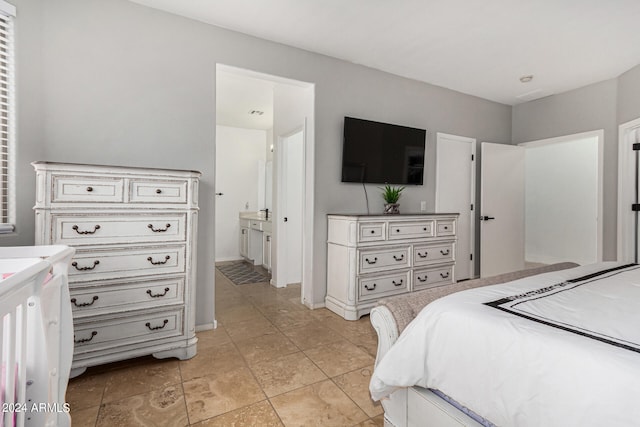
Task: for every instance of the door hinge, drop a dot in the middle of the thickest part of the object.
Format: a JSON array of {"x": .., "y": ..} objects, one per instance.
[{"x": 636, "y": 146}]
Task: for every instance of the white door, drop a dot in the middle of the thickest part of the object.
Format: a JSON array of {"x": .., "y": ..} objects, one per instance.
[
  {"x": 290, "y": 214},
  {"x": 501, "y": 209},
  {"x": 456, "y": 192}
]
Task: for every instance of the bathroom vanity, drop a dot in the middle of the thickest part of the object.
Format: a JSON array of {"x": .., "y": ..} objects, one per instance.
[{"x": 255, "y": 238}]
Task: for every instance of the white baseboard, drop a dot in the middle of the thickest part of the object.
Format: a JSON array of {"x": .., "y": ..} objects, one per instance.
[
  {"x": 225, "y": 259},
  {"x": 207, "y": 326}
]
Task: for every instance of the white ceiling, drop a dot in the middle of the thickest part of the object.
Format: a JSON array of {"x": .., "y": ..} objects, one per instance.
[
  {"x": 237, "y": 95},
  {"x": 478, "y": 47}
]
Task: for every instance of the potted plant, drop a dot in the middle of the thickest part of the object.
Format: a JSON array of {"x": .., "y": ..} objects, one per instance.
[{"x": 391, "y": 195}]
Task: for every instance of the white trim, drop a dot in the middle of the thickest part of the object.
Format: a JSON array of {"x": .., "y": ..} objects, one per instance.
[
  {"x": 472, "y": 231},
  {"x": 207, "y": 326},
  {"x": 599, "y": 134},
  {"x": 7, "y": 8},
  {"x": 626, "y": 189}
]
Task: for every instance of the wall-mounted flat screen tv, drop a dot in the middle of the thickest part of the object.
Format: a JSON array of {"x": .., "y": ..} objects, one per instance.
[{"x": 382, "y": 153}]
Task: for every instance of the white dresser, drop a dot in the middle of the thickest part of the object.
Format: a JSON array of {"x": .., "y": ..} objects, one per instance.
[
  {"x": 132, "y": 279},
  {"x": 374, "y": 256}
]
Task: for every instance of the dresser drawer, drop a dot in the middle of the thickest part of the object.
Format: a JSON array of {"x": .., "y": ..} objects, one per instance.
[
  {"x": 117, "y": 264},
  {"x": 430, "y": 254},
  {"x": 150, "y": 191},
  {"x": 113, "y": 297},
  {"x": 428, "y": 278},
  {"x": 92, "y": 336},
  {"x": 87, "y": 189},
  {"x": 380, "y": 285},
  {"x": 410, "y": 230},
  {"x": 94, "y": 230},
  {"x": 445, "y": 227},
  {"x": 371, "y": 231},
  {"x": 371, "y": 260}
]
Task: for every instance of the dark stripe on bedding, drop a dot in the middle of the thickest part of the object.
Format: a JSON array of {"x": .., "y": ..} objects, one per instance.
[{"x": 512, "y": 301}]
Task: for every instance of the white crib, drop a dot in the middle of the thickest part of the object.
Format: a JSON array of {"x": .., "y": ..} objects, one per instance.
[{"x": 37, "y": 335}]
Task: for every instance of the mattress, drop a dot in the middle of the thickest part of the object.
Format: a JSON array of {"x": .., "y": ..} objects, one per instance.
[{"x": 554, "y": 349}]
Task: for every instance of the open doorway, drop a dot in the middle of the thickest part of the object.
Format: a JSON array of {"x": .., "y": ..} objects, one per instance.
[{"x": 264, "y": 133}]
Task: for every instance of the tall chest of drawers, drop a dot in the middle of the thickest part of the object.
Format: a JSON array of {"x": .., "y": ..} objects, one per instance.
[
  {"x": 370, "y": 257},
  {"x": 132, "y": 279}
]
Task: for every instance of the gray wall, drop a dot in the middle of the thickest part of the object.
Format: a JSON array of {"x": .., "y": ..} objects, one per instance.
[
  {"x": 127, "y": 85},
  {"x": 629, "y": 95},
  {"x": 589, "y": 108}
]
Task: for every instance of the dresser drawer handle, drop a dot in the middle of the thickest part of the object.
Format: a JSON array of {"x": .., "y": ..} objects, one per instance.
[
  {"x": 75, "y": 265},
  {"x": 397, "y": 284},
  {"x": 167, "y": 258},
  {"x": 95, "y": 228},
  {"x": 371, "y": 262},
  {"x": 423, "y": 280},
  {"x": 152, "y": 295},
  {"x": 423, "y": 256},
  {"x": 397, "y": 230},
  {"x": 84, "y": 304},
  {"x": 80, "y": 341},
  {"x": 445, "y": 253},
  {"x": 399, "y": 259},
  {"x": 370, "y": 289},
  {"x": 373, "y": 232},
  {"x": 158, "y": 230},
  {"x": 155, "y": 328},
  {"x": 89, "y": 189},
  {"x": 158, "y": 191},
  {"x": 444, "y": 275},
  {"x": 424, "y": 229},
  {"x": 446, "y": 228}
]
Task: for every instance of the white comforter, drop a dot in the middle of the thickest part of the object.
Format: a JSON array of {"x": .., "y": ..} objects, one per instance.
[{"x": 518, "y": 372}]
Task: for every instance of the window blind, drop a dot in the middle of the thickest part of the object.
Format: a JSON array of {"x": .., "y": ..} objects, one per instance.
[{"x": 7, "y": 118}]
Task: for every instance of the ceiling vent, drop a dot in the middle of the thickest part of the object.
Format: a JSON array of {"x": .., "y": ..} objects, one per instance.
[{"x": 256, "y": 112}]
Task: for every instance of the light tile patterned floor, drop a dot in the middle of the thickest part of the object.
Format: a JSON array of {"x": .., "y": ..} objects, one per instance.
[{"x": 271, "y": 362}]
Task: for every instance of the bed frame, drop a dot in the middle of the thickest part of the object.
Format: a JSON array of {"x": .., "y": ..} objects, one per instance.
[
  {"x": 37, "y": 335},
  {"x": 417, "y": 406}
]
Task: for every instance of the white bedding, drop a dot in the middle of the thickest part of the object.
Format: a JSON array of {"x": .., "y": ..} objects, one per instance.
[{"x": 580, "y": 368}]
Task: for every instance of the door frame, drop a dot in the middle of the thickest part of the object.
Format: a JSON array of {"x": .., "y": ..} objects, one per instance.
[
  {"x": 599, "y": 134},
  {"x": 627, "y": 136},
  {"x": 280, "y": 235},
  {"x": 472, "y": 202}
]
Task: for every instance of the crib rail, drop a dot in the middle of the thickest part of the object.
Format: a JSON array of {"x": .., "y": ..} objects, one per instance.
[{"x": 36, "y": 351}]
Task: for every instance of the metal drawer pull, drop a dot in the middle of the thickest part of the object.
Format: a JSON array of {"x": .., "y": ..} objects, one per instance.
[
  {"x": 155, "y": 328},
  {"x": 444, "y": 276},
  {"x": 80, "y": 341},
  {"x": 397, "y": 284},
  {"x": 89, "y": 189},
  {"x": 157, "y": 295},
  {"x": 75, "y": 265},
  {"x": 158, "y": 191},
  {"x": 167, "y": 258},
  {"x": 423, "y": 280},
  {"x": 446, "y": 228},
  {"x": 371, "y": 262},
  {"x": 373, "y": 232},
  {"x": 397, "y": 230},
  {"x": 447, "y": 252},
  {"x": 423, "y": 256},
  {"x": 159, "y": 230},
  {"x": 84, "y": 304},
  {"x": 399, "y": 259},
  {"x": 95, "y": 228},
  {"x": 425, "y": 229},
  {"x": 370, "y": 289}
]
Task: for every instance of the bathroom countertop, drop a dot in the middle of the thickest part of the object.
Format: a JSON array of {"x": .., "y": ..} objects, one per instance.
[{"x": 255, "y": 216}]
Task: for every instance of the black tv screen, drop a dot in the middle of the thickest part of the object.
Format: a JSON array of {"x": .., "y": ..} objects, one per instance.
[{"x": 382, "y": 153}]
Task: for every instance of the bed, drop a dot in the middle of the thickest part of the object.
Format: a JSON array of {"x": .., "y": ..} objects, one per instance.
[
  {"x": 37, "y": 335},
  {"x": 504, "y": 354}
]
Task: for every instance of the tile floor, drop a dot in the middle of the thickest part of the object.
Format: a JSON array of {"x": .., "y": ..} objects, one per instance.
[{"x": 270, "y": 362}]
